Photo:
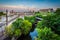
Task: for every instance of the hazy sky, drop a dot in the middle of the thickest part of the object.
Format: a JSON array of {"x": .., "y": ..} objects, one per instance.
[{"x": 30, "y": 3}]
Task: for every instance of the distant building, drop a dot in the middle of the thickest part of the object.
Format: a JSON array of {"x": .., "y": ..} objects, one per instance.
[
  {"x": 12, "y": 12},
  {"x": 46, "y": 10},
  {"x": 51, "y": 10},
  {"x": 30, "y": 12}
]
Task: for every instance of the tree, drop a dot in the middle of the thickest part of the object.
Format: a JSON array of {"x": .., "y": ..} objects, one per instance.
[
  {"x": 1, "y": 13},
  {"x": 52, "y": 21},
  {"x": 57, "y": 11},
  {"x": 46, "y": 34}
]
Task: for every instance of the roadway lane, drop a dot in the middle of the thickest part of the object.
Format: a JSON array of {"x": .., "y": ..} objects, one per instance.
[{"x": 3, "y": 27}]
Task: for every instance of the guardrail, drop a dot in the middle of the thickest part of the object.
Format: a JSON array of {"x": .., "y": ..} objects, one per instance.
[{"x": 2, "y": 28}]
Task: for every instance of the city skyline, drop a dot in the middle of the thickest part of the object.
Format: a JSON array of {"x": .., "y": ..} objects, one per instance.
[{"x": 29, "y": 4}]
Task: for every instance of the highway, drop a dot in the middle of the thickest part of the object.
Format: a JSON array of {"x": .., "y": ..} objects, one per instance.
[
  {"x": 2, "y": 26},
  {"x": 10, "y": 20}
]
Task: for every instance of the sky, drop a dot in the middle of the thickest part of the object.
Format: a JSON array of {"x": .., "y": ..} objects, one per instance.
[{"x": 29, "y": 4}]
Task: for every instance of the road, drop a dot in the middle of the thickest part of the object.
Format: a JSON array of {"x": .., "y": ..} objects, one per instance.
[
  {"x": 3, "y": 27},
  {"x": 9, "y": 22}
]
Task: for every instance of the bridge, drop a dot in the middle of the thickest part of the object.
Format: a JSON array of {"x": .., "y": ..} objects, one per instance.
[{"x": 2, "y": 26}]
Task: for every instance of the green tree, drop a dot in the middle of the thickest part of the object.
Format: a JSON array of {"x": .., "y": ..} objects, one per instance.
[
  {"x": 19, "y": 27},
  {"x": 26, "y": 27},
  {"x": 1, "y": 13},
  {"x": 53, "y": 21},
  {"x": 30, "y": 19},
  {"x": 58, "y": 11},
  {"x": 46, "y": 34}
]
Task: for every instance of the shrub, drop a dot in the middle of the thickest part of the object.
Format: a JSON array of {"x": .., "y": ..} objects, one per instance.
[
  {"x": 19, "y": 27},
  {"x": 30, "y": 18},
  {"x": 40, "y": 24},
  {"x": 26, "y": 27},
  {"x": 17, "y": 23},
  {"x": 53, "y": 21},
  {"x": 14, "y": 28},
  {"x": 8, "y": 30},
  {"x": 57, "y": 11},
  {"x": 38, "y": 15},
  {"x": 46, "y": 34},
  {"x": 1, "y": 13},
  {"x": 37, "y": 12},
  {"x": 17, "y": 32}
]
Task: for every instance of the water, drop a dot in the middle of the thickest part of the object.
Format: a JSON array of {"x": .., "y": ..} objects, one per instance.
[{"x": 33, "y": 34}]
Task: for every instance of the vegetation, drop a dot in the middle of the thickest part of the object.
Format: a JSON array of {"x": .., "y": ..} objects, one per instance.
[
  {"x": 57, "y": 11},
  {"x": 1, "y": 13},
  {"x": 40, "y": 24},
  {"x": 26, "y": 27},
  {"x": 53, "y": 21},
  {"x": 47, "y": 29},
  {"x": 46, "y": 34},
  {"x": 30, "y": 18},
  {"x": 8, "y": 30},
  {"x": 11, "y": 32},
  {"x": 19, "y": 27}
]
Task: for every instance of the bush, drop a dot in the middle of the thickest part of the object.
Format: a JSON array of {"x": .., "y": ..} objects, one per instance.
[
  {"x": 26, "y": 27},
  {"x": 30, "y": 19},
  {"x": 17, "y": 32},
  {"x": 1, "y": 13},
  {"x": 17, "y": 23},
  {"x": 19, "y": 27},
  {"x": 8, "y": 30},
  {"x": 46, "y": 34},
  {"x": 40, "y": 24},
  {"x": 53, "y": 21},
  {"x": 57, "y": 11},
  {"x": 37, "y": 12},
  {"x": 11, "y": 32},
  {"x": 38, "y": 15}
]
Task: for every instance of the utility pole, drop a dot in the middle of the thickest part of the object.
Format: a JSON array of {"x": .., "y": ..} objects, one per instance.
[{"x": 6, "y": 17}]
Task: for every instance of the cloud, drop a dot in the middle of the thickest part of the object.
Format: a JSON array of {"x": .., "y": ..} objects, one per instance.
[
  {"x": 18, "y": 7},
  {"x": 12, "y": 6}
]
